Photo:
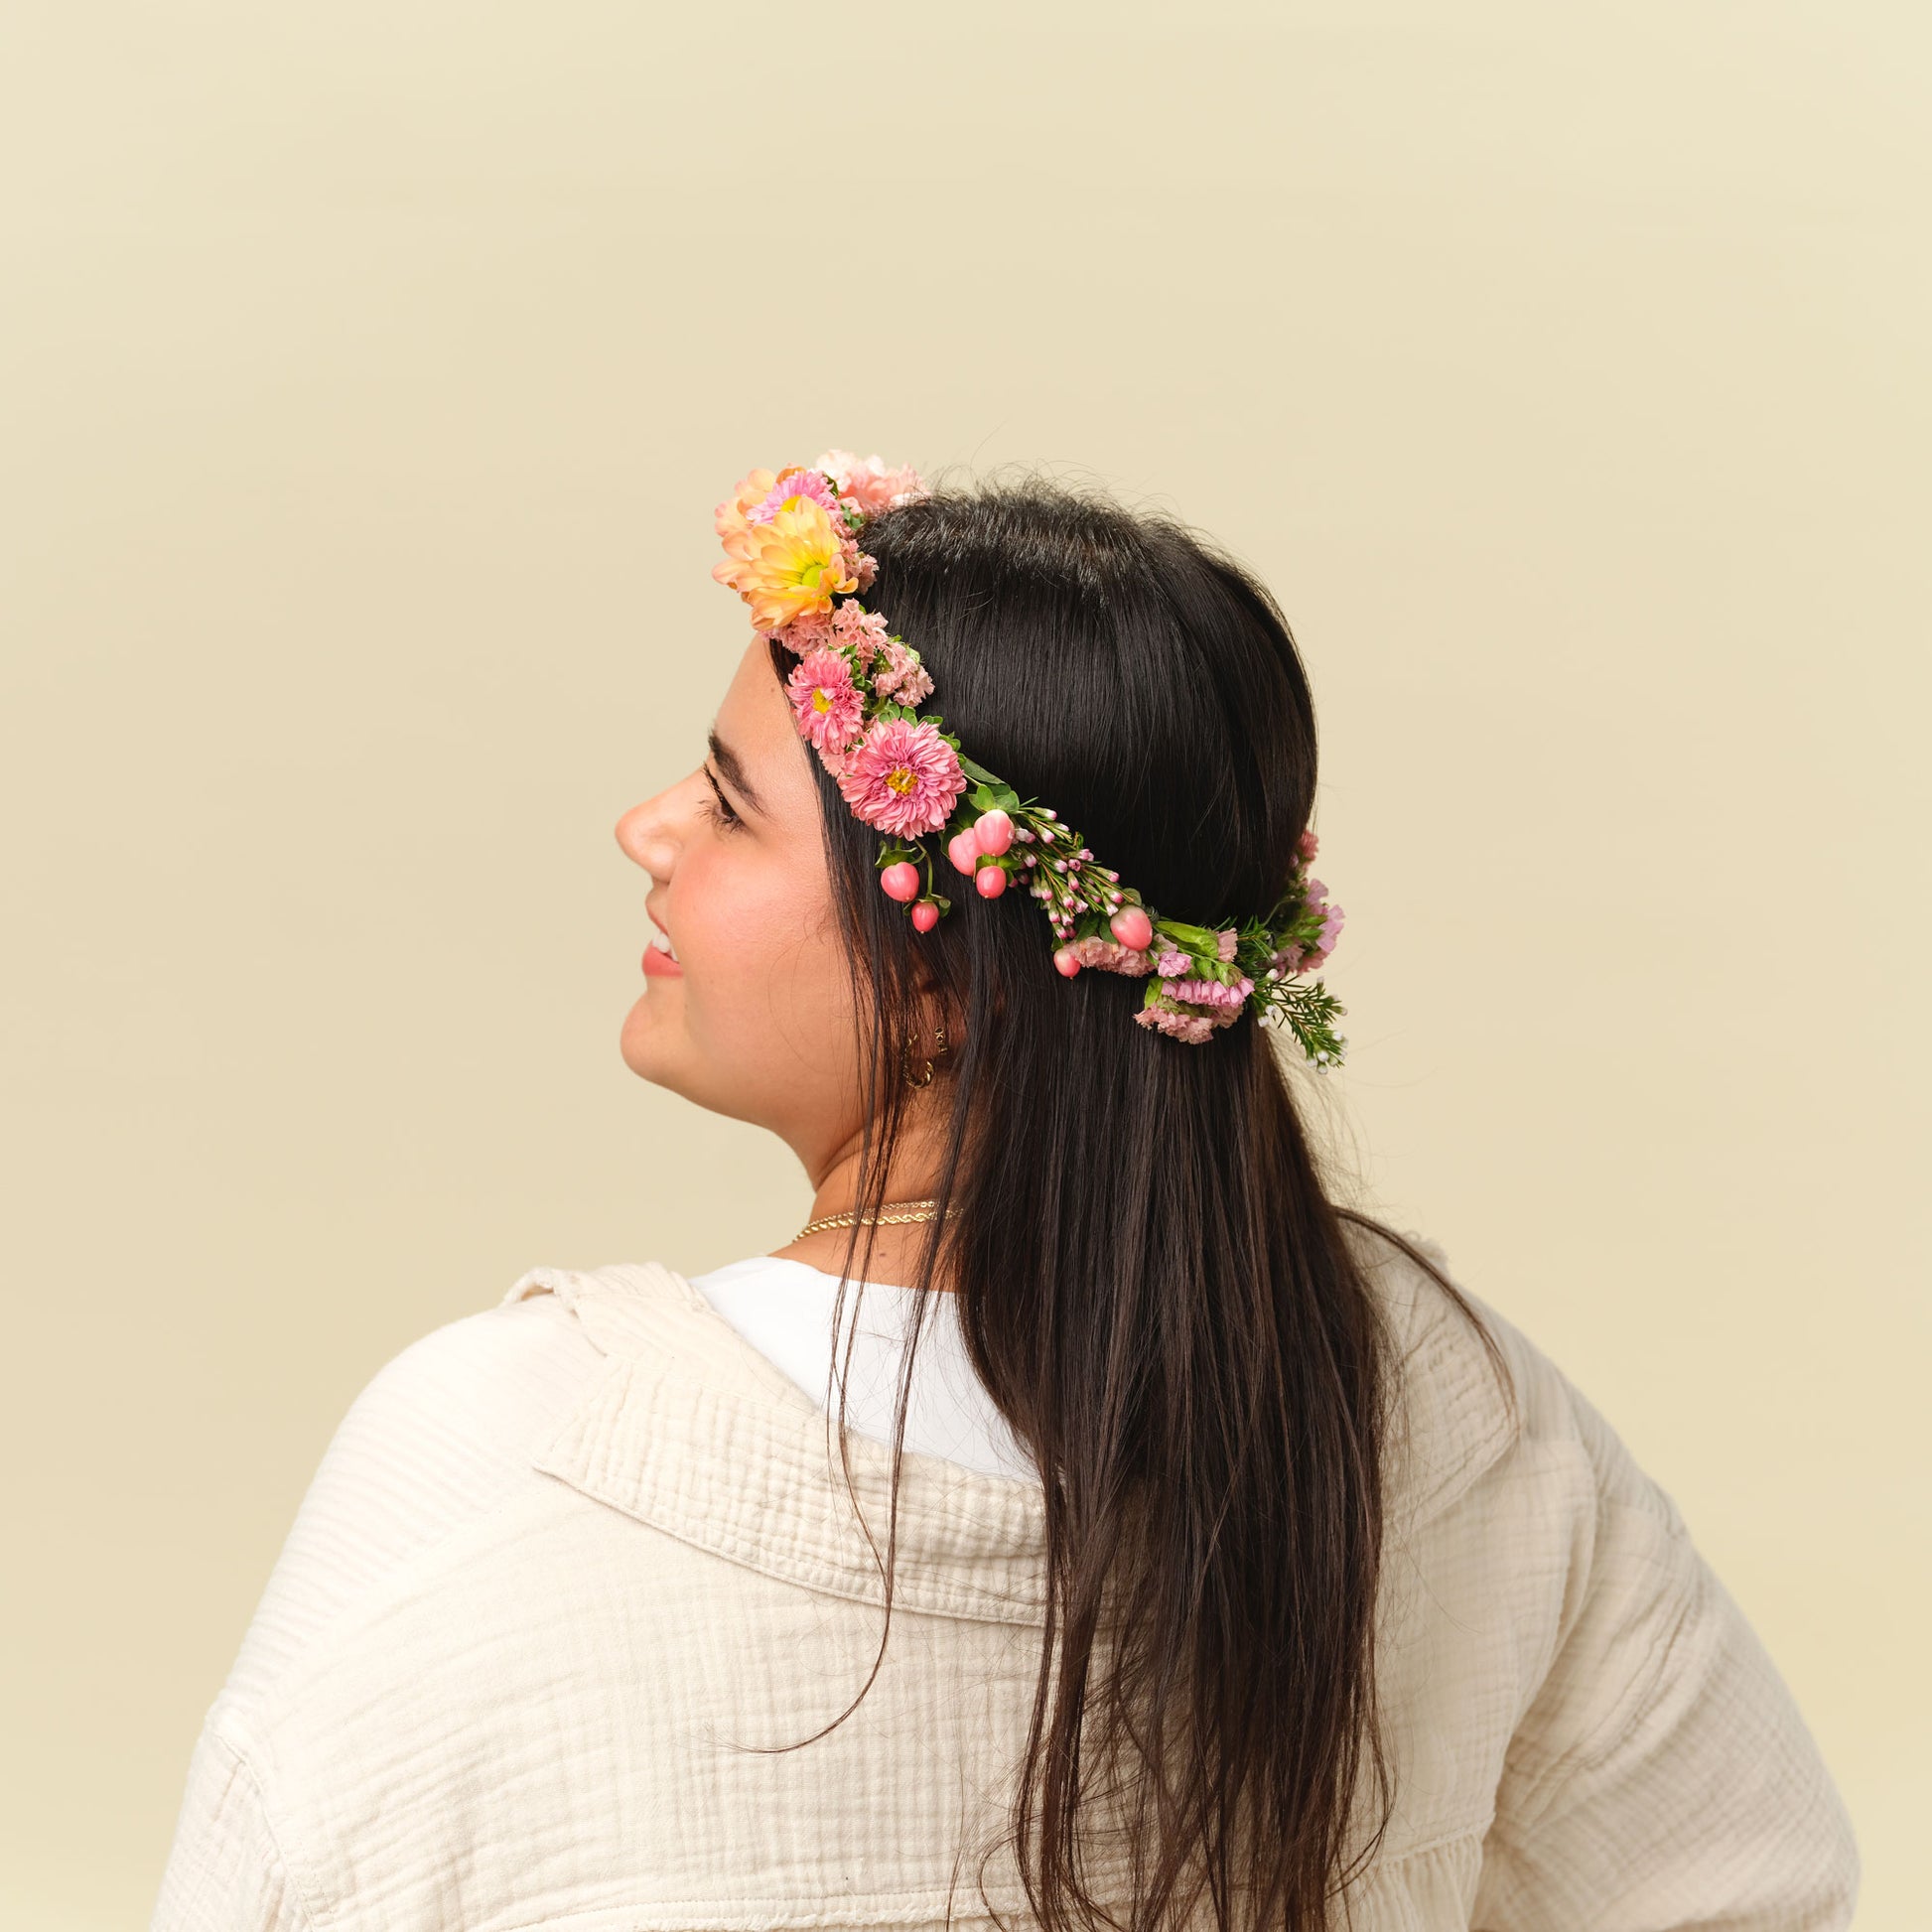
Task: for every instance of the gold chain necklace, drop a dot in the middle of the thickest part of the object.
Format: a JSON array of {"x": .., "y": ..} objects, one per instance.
[{"x": 886, "y": 1217}]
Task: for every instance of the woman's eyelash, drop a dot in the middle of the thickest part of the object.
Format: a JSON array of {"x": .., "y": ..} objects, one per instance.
[{"x": 717, "y": 807}]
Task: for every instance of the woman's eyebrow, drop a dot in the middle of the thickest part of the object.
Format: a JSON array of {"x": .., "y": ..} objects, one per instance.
[{"x": 728, "y": 763}]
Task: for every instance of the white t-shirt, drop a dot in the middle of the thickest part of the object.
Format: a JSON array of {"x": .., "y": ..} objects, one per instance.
[{"x": 784, "y": 1309}]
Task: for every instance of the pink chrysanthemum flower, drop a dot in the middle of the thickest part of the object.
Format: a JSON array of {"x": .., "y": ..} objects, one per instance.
[
  {"x": 867, "y": 481},
  {"x": 861, "y": 632},
  {"x": 825, "y": 703},
  {"x": 902, "y": 778},
  {"x": 899, "y": 675},
  {"x": 788, "y": 487}
]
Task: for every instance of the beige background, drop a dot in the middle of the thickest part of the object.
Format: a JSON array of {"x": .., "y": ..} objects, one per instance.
[{"x": 369, "y": 374}]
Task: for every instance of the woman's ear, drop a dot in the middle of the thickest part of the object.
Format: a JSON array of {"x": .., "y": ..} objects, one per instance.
[{"x": 941, "y": 1024}]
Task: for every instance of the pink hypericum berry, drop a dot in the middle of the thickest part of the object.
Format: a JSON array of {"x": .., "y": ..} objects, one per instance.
[
  {"x": 925, "y": 916},
  {"x": 994, "y": 830},
  {"x": 901, "y": 882},
  {"x": 991, "y": 881},
  {"x": 1132, "y": 928},
  {"x": 963, "y": 849},
  {"x": 1065, "y": 961}
]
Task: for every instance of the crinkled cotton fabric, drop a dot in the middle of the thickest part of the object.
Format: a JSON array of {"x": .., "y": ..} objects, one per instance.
[{"x": 575, "y": 1567}]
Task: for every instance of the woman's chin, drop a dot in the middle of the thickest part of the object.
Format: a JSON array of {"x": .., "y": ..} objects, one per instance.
[{"x": 642, "y": 1041}]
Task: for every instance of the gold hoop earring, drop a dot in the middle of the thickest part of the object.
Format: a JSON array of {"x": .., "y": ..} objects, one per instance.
[{"x": 940, "y": 1047}]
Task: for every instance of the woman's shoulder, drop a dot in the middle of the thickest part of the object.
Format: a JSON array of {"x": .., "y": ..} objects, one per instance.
[
  {"x": 1476, "y": 1396},
  {"x": 438, "y": 1436}
]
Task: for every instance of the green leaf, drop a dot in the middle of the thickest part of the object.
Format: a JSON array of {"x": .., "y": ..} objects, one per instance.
[{"x": 1193, "y": 938}]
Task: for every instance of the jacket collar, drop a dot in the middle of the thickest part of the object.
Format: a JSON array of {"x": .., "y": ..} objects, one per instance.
[{"x": 690, "y": 1429}]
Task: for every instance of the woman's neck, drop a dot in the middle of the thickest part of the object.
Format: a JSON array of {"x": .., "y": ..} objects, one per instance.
[{"x": 894, "y": 1252}]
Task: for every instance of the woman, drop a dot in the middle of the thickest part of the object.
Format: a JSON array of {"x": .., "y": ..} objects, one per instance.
[{"x": 1195, "y": 1553}]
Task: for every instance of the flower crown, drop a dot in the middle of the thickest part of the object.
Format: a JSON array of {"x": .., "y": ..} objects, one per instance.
[{"x": 791, "y": 552}]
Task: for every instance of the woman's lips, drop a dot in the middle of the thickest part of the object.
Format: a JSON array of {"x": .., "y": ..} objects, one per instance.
[{"x": 658, "y": 964}]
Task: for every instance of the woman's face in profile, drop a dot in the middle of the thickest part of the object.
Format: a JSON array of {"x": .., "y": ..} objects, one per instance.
[{"x": 757, "y": 1018}]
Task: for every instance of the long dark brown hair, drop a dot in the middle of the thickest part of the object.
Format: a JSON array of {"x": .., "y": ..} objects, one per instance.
[{"x": 1153, "y": 1279}]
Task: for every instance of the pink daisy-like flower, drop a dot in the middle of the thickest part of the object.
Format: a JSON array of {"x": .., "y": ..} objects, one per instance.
[
  {"x": 792, "y": 484},
  {"x": 901, "y": 777},
  {"x": 869, "y": 484},
  {"x": 900, "y": 675},
  {"x": 861, "y": 632},
  {"x": 825, "y": 703}
]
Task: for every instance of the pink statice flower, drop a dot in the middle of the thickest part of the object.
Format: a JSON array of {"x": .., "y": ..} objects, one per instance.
[
  {"x": 1193, "y": 1028},
  {"x": 1324, "y": 944},
  {"x": 861, "y": 632},
  {"x": 794, "y": 483},
  {"x": 899, "y": 675},
  {"x": 1112, "y": 957},
  {"x": 827, "y": 706},
  {"x": 1307, "y": 845},
  {"x": 869, "y": 484},
  {"x": 1284, "y": 962},
  {"x": 1173, "y": 963},
  {"x": 901, "y": 777},
  {"x": 1212, "y": 992},
  {"x": 804, "y": 635},
  {"x": 1193, "y": 1025},
  {"x": 1227, "y": 941},
  {"x": 858, "y": 566}
]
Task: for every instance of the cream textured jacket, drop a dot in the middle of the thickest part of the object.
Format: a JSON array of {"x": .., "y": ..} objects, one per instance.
[{"x": 550, "y": 1712}]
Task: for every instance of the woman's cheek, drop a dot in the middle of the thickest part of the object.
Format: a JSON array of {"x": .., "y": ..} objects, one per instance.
[{"x": 743, "y": 951}]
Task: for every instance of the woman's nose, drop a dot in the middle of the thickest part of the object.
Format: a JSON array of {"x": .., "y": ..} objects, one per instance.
[{"x": 643, "y": 837}]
